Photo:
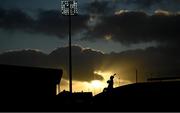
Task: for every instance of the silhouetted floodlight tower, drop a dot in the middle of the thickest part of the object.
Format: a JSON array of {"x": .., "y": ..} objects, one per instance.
[{"x": 69, "y": 8}]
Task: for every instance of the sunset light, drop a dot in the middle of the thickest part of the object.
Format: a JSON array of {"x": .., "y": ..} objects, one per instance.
[
  {"x": 83, "y": 55},
  {"x": 104, "y": 74},
  {"x": 96, "y": 84}
]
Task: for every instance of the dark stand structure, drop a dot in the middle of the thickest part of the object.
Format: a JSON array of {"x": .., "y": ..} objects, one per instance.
[{"x": 28, "y": 87}]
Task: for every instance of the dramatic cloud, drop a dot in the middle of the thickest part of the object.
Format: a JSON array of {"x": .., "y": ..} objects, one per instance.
[
  {"x": 150, "y": 5},
  {"x": 49, "y": 22},
  {"x": 151, "y": 62},
  {"x": 135, "y": 27},
  {"x": 123, "y": 21},
  {"x": 107, "y": 7},
  {"x": 85, "y": 61},
  {"x": 100, "y": 7},
  {"x": 25, "y": 57},
  {"x": 15, "y": 19},
  {"x": 123, "y": 26},
  {"x": 53, "y": 23}
]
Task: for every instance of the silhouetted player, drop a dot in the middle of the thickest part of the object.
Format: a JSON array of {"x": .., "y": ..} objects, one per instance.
[{"x": 110, "y": 83}]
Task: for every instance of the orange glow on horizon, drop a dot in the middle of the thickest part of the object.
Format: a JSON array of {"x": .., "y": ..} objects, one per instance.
[
  {"x": 96, "y": 83},
  {"x": 94, "y": 86}
]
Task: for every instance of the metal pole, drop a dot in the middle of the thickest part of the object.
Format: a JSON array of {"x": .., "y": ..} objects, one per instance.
[
  {"x": 136, "y": 76},
  {"x": 70, "y": 55}
]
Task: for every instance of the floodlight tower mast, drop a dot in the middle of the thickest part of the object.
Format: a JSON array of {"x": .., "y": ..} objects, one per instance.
[
  {"x": 136, "y": 76},
  {"x": 70, "y": 55},
  {"x": 69, "y": 8}
]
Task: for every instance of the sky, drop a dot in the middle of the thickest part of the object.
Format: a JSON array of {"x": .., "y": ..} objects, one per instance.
[{"x": 108, "y": 36}]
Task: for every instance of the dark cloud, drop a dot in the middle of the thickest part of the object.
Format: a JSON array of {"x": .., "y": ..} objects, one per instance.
[
  {"x": 126, "y": 28},
  {"x": 25, "y": 57},
  {"x": 100, "y": 7},
  {"x": 15, "y": 19},
  {"x": 53, "y": 23},
  {"x": 107, "y": 7},
  {"x": 49, "y": 22},
  {"x": 154, "y": 62},
  {"x": 131, "y": 27},
  {"x": 84, "y": 61},
  {"x": 136, "y": 27},
  {"x": 143, "y": 3},
  {"x": 151, "y": 5},
  {"x": 151, "y": 62}
]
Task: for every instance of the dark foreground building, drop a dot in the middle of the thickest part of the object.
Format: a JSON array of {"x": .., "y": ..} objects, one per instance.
[
  {"x": 147, "y": 96},
  {"x": 34, "y": 89},
  {"x": 78, "y": 98},
  {"x": 28, "y": 86}
]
